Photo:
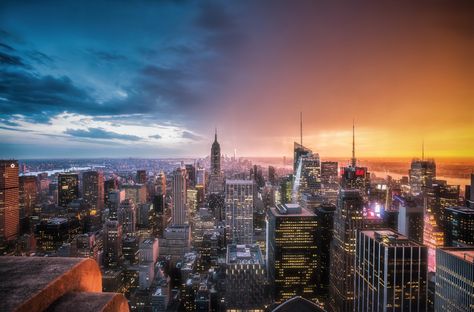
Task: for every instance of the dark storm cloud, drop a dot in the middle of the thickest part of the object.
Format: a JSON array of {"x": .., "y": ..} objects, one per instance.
[
  {"x": 214, "y": 17},
  {"x": 34, "y": 95},
  {"x": 6, "y": 47},
  {"x": 107, "y": 56},
  {"x": 161, "y": 75},
  {"x": 11, "y": 60},
  {"x": 99, "y": 133},
  {"x": 40, "y": 57}
]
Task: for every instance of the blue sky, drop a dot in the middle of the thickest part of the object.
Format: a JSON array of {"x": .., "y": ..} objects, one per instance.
[{"x": 154, "y": 78}]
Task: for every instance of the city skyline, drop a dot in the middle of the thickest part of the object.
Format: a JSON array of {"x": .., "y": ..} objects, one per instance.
[{"x": 155, "y": 80}]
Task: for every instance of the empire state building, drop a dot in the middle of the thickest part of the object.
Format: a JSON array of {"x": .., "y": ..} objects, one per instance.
[
  {"x": 215, "y": 157},
  {"x": 216, "y": 182}
]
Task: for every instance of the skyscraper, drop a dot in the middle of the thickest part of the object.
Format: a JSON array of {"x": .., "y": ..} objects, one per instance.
[
  {"x": 308, "y": 176},
  {"x": 93, "y": 189},
  {"x": 239, "y": 201},
  {"x": 298, "y": 151},
  {"x": 347, "y": 220},
  {"x": 112, "y": 243},
  {"x": 190, "y": 175},
  {"x": 324, "y": 233},
  {"x": 179, "y": 197},
  {"x": 141, "y": 176},
  {"x": 28, "y": 192},
  {"x": 437, "y": 197},
  {"x": 9, "y": 201},
  {"x": 454, "y": 280},
  {"x": 215, "y": 156},
  {"x": 470, "y": 193},
  {"x": 109, "y": 185},
  {"x": 459, "y": 227},
  {"x": 390, "y": 273},
  {"x": 68, "y": 188},
  {"x": 352, "y": 176},
  {"x": 292, "y": 253},
  {"x": 329, "y": 172},
  {"x": 216, "y": 181},
  {"x": 127, "y": 216},
  {"x": 245, "y": 278},
  {"x": 410, "y": 219},
  {"x": 421, "y": 174}
]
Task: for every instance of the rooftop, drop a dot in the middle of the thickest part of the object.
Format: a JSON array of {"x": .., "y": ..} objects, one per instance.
[
  {"x": 291, "y": 210},
  {"x": 464, "y": 210},
  {"x": 390, "y": 238},
  {"x": 466, "y": 254},
  {"x": 244, "y": 254},
  {"x": 37, "y": 284},
  {"x": 299, "y": 304},
  {"x": 240, "y": 182}
]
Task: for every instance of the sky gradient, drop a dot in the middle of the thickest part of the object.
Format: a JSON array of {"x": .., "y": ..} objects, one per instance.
[{"x": 154, "y": 78}]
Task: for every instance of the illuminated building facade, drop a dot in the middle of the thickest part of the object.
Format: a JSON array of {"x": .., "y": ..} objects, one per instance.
[
  {"x": 438, "y": 197},
  {"x": 127, "y": 216},
  {"x": 137, "y": 192},
  {"x": 390, "y": 273},
  {"x": 245, "y": 278},
  {"x": 68, "y": 188},
  {"x": 324, "y": 233},
  {"x": 459, "y": 226},
  {"x": 239, "y": 201},
  {"x": 28, "y": 193},
  {"x": 93, "y": 190},
  {"x": 348, "y": 218},
  {"x": 179, "y": 197},
  {"x": 308, "y": 175},
  {"x": 421, "y": 175},
  {"x": 109, "y": 185},
  {"x": 329, "y": 172},
  {"x": 190, "y": 175},
  {"x": 52, "y": 233},
  {"x": 112, "y": 244},
  {"x": 9, "y": 201},
  {"x": 286, "y": 189},
  {"x": 353, "y": 176},
  {"x": 292, "y": 253},
  {"x": 192, "y": 201},
  {"x": 298, "y": 151},
  {"x": 454, "y": 280}
]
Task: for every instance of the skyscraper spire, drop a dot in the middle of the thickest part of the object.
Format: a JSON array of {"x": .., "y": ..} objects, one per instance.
[
  {"x": 423, "y": 149},
  {"x": 215, "y": 136},
  {"x": 301, "y": 128},
  {"x": 353, "y": 145}
]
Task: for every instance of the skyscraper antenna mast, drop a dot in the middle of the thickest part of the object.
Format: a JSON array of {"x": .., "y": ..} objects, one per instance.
[
  {"x": 423, "y": 149},
  {"x": 301, "y": 128},
  {"x": 353, "y": 144}
]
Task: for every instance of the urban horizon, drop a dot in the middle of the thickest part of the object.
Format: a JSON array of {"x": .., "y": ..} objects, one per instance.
[{"x": 214, "y": 156}]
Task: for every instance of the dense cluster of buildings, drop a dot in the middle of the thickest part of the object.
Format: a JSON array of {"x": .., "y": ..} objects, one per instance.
[{"x": 230, "y": 236}]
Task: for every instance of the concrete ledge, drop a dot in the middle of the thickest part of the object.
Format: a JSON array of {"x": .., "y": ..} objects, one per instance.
[
  {"x": 32, "y": 284},
  {"x": 86, "y": 301}
]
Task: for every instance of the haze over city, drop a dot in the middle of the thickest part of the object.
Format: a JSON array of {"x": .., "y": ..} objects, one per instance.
[{"x": 153, "y": 79}]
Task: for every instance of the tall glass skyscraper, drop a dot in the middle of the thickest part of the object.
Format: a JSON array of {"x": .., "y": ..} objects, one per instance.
[
  {"x": 292, "y": 252},
  {"x": 390, "y": 272},
  {"x": 68, "y": 188},
  {"x": 347, "y": 220},
  {"x": 239, "y": 201}
]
